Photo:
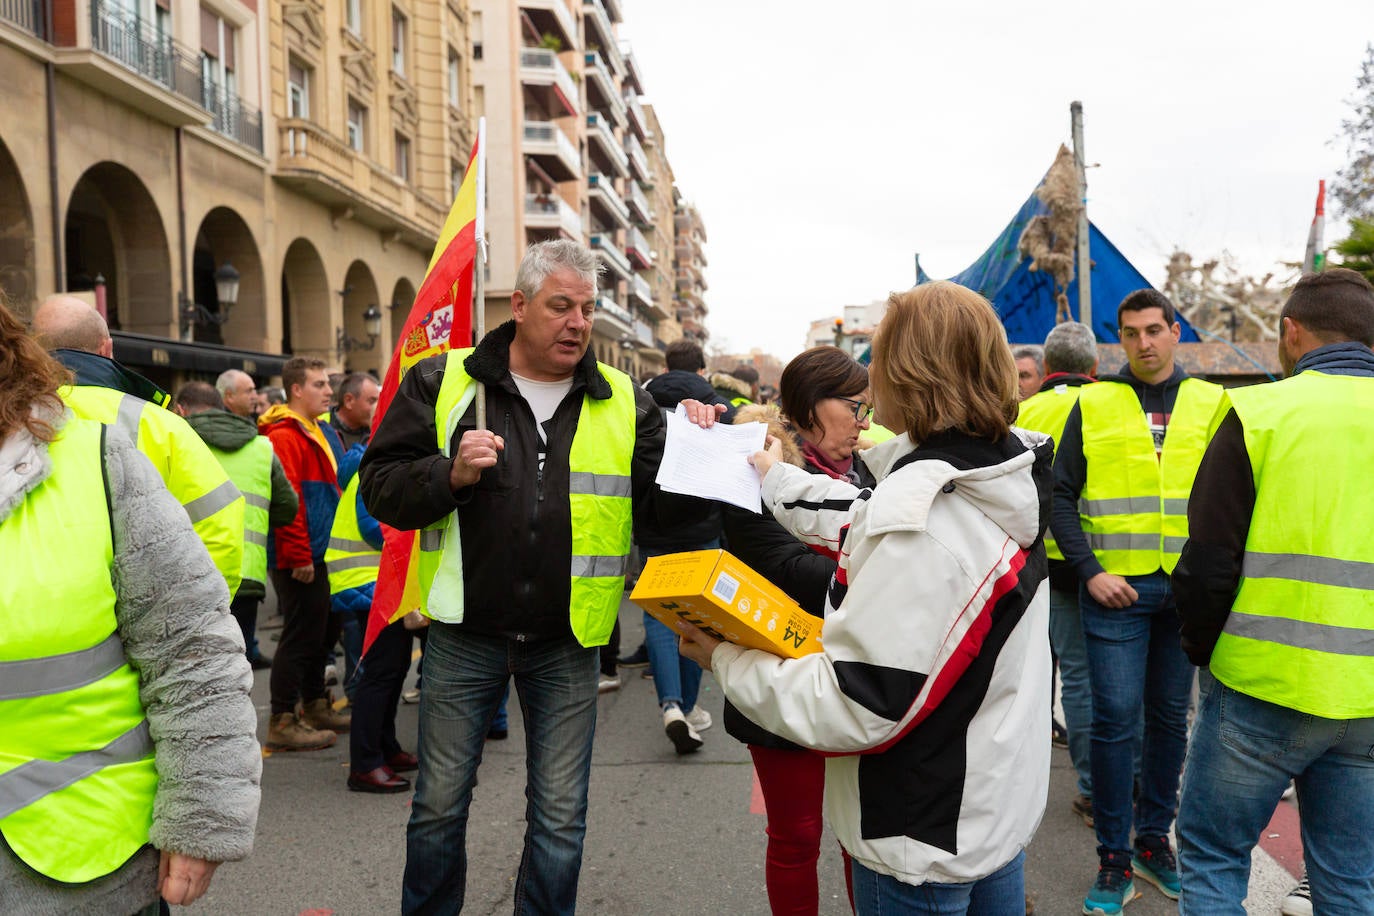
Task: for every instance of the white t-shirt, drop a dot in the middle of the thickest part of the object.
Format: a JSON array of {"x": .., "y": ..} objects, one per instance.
[{"x": 543, "y": 398}]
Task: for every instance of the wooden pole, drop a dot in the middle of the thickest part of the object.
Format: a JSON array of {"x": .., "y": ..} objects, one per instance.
[
  {"x": 1083, "y": 261},
  {"x": 479, "y": 263}
]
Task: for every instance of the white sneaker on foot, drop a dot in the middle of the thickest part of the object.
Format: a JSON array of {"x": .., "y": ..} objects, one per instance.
[
  {"x": 607, "y": 683},
  {"x": 1299, "y": 900},
  {"x": 699, "y": 719},
  {"x": 685, "y": 738},
  {"x": 411, "y": 696}
]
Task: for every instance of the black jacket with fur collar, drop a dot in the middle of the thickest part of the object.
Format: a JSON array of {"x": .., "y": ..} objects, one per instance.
[{"x": 515, "y": 525}]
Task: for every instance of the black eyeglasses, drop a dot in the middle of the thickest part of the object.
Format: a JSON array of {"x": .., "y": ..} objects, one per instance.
[{"x": 862, "y": 411}]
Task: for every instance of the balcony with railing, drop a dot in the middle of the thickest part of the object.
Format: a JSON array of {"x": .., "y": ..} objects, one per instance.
[
  {"x": 601, "y": 138},
  {"x": 552, "y": 16},
  {"x": 641, "y": 292},
  {"x": 603, "y": 243},
  {"x": 601, "y": 36},
  {"x": 643, "y": 333},
  {"x": 639, "y": 163},
  {"x": 549, "y": 211},
  {"x": 615, "y": 320},
  {"x": 133, "y": 42},
  {"x": 607, "y": 200},
  {"x": 640, "y": 210},
  {"x": 27, "y": 15},
  {"x": 638, "y": 124},
  {"x": 233, "y": 118},
  {"x": 556, "y": 154},
  {"x": 541, "y": 68},
  {"x": 601, "y": 88},
  {"x": 637, "y": 247}
]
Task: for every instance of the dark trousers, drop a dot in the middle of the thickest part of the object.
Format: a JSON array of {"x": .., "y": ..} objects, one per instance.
[
  {"x": 245, "y": 611},
  {"x": 298, "y": 666},
  {"x": 381, "y": 675}
]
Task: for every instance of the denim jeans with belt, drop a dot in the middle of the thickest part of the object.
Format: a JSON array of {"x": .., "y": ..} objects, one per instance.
[
  {"x": 466, "y": 675},
  {"x": 1241, "y": 756},
  {"x": 1002, "y": 893},
  {"x": 1136, "y": 661}
]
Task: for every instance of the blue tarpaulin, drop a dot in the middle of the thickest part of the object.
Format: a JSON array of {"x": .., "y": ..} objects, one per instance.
[{"x": 1025, "y": 299}]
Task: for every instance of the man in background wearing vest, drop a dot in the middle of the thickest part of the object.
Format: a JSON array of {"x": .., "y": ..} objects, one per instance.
[
  {"x": 523, "y": 555},
  {"x": 108, "y": 392},
  {"x": 269, "y": 501},
  {"x": 1070, "y": 362},
  {"x": 1123, "y": 471},
  {"x": 239, "y": 393},
  {"x": 1276, "y": 596},
  {"x": 309, "y": 453},
  {"x": 357, "y": 402}
]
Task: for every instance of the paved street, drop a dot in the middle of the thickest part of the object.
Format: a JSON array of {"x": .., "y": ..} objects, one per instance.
[{"x": 665, "y": 835}]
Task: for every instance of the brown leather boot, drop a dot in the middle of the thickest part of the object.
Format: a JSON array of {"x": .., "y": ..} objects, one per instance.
[
  {"x": 288, "y": 733},
  {"x": 320, "y": 714}
]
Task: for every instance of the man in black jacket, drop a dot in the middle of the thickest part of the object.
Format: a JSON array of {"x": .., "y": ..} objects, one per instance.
[{"x": 509, "y": 490}]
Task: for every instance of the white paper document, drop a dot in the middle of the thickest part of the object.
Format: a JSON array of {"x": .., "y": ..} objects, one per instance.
[{"x": 712, "y": 463}]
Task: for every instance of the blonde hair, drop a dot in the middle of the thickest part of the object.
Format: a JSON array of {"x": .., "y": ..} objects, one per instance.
[{"x": 941, "y": 362}]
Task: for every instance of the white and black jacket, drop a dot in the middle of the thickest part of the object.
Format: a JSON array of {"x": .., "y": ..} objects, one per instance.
[{"x": 933, "y": 692}]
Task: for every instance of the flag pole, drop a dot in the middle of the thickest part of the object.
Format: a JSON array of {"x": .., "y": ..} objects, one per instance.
[
  {"x": 479, "y": 302},
  {"x": 1083, "y": 259}
]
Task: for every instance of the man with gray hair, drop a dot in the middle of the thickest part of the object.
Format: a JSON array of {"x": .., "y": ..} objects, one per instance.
[
  {"x": 1030, "y": 368},
  {"x": 1070, "y": 361},
  {"x": 239, "y": 391},
  {"x": 525, "y": 539}
]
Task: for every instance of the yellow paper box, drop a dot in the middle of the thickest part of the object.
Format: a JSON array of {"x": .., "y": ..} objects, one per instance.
[{"x": 716, "y": 592}]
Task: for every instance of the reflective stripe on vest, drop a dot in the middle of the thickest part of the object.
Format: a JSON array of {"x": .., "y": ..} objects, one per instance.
[
  {"x": 599, "y": 504},
  {"x": 1134, "y": 504},
  {"x": 1047, "y": 412},
  {"x": 185, "y": 464},
  {"x": 250, "y": 468},
  {"x": 1301, "y": 629},
  {"x": 77, "y": 777},
  {"x": 352, "y": 562}
]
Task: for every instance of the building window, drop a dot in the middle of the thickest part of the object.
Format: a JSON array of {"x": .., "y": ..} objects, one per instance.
[
  {"x": 398, "y": 42},
  {"x": 353, "y": 16},
  {"x": 357, "y": 126},
  {"x": 475, "y": 34},
  {"x": 403, "y": 157},
  {"x": 455, "y": 177},
  {"x": 217, "y": 40},
  {"x": 297, "y": 90},
  {"x": 455, "y": 87}
]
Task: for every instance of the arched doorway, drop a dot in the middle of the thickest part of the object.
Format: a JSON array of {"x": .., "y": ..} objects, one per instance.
[
  {"x": 402, "y": 300},
  {"x": 113, "y": 229},
  {"x": 359, "y": 352},
  {"x": 17, "y": 265},
  {"x": 224, "y": 238},
  {"x": 306, "y": 329}
]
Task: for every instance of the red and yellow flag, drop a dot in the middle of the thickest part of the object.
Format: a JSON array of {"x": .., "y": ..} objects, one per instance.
[{"x": 440, "y": 319}]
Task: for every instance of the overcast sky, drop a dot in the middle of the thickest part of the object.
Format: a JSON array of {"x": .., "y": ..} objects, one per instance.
[{"x": 826, "y": 143}]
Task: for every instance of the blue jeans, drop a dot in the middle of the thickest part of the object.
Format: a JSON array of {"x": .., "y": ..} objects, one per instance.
[
  {"x": 1135, "y": 661},
  {"x": 1242, "y": 754},
  {"x": 1066, "y": 637},
  {"x": 677, "y": 679},
  {"x": 466, "y": 675},
  {"x": 1002, "y": 893}
]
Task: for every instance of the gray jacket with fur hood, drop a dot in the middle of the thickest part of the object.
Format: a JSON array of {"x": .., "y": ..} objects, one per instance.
[{"x": 193, "y": 680}]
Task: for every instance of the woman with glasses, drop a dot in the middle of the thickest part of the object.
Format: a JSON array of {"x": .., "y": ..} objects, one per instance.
[
  {"x": 825, "y": 408},
  {"x": 931, "y": 694}
]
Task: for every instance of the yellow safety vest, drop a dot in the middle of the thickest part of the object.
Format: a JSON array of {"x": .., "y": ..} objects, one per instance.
[
  {"x": 1134, "y": 505},
  {"x": 1301, "y": 629},
  {"x": 599, "y": 499},
  {"x": 1047, "y": 412},
  {"x": 184, "y": 463},
  {"x": 77, "y": 778},
  {"x": 352, "y": 562},
  {"x": 250, "y": 468}
]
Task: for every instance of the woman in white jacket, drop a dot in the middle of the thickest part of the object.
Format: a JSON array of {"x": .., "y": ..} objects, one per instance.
[{"x": 932, "y": 692}]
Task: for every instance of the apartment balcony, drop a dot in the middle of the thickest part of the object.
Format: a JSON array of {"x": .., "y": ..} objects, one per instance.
[
  {"x": 231, "y": 117},
  {"x": 637, "y": 248},
  {"x": 633, "y": 82},
  {"x": 600, "y": 138},
  {"x": 601, "y": 93},
  {"x": 641, "y": 293},
  {"x": 614, "y": 11},
  {"x": 640, "y": 210},
  {"x": 611, "y": 319},
  {"x": 554, "y": 17},
  {"x": 549, "y": 211},
  {"x": 318, "y": 165},
  {"x": 607, "y": 200},
  {"x": 544, "y": 73},
  {"x": 550, "y": 147},
  {"x": 643, "y": 333},
  {"x": 638, "y": 123},
  {"x": 601, "y": 34},
  {"x": 26, "y": 15},
  {"x": 693, "y": 328},
  {"x": 603, "y": 243},
  {"x": 639, "y": 163}
]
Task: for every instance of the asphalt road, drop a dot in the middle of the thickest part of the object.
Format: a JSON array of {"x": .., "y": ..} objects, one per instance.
[{"x": 665, "y": 834}]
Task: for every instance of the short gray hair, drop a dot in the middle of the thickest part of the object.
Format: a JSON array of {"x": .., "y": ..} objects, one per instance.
[
  {"x": 544, "y": 258},
  {"x": 225, "y": 382},
  {"x": 1071, "y": 347},
  {"x": 1031, "y": 351}
]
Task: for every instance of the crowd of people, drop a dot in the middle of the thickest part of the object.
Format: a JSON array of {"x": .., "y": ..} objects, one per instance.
[{"x": 969, "y": 520}]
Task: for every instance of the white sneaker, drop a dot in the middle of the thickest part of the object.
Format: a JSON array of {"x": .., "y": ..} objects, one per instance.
[
  {"x": 1299, "y": 900},
  {"x": 411, "y": 696},
  {"x": 331, "y": 675},
  {"x": 699, "y": 719},
  {"x": 607, "y": 683},
  {"x": 685, "y": 738}
]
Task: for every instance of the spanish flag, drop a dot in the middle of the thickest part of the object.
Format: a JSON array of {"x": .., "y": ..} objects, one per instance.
[{"x": 440, "y": 319}]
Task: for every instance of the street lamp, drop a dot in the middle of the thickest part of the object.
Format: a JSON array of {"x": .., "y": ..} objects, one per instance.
[
  {"x": 226, "y": 294},
  {"x": 372, "y": 324}
]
